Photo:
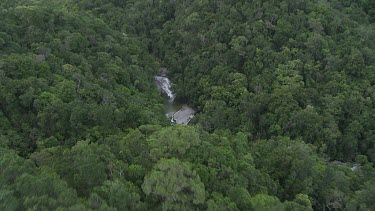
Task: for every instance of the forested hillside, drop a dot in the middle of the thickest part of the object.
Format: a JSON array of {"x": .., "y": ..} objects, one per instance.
[{"x": 284, "y": 93}]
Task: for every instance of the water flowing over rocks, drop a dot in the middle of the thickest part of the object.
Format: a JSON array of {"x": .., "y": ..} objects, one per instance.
[
  {"x": 179, "y": 114},
  {"x": 351, "y": 166},
  {"x": 164, "y": 85}
]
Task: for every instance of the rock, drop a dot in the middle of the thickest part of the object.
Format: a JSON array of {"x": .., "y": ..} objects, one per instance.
[
  {"x": 338, "y": 163},
  {"x": 164, "y": 85},
  {"x": 184, "y": 115},
  {"x": 355, "y": 167},
  {"x": 163, "y": 72},
  {"x": 40, "y": 58}
]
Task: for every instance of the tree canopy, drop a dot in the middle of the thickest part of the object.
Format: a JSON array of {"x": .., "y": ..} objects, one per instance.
[{"x": 284, "y": 93}]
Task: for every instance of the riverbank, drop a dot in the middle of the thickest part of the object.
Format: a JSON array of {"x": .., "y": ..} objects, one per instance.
[{"x": 178, "y": 113}]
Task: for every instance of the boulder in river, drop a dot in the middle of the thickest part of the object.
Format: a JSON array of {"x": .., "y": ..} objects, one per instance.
[{"x": 184, "y": 115}]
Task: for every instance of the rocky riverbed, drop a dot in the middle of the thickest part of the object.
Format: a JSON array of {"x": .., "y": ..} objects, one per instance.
[{"x": 179, "y": 113}]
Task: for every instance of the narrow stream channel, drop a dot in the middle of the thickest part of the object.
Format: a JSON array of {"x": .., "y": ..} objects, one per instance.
[{"x": 178, "y": 113}]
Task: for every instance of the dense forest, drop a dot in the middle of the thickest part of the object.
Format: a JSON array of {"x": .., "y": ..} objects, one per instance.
[{"x": 284, "y": 93}]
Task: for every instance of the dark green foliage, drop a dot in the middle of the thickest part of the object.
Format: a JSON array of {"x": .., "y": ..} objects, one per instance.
[
  {"x": 284, "y": 93},
  {"x": 175, "y": 185}
]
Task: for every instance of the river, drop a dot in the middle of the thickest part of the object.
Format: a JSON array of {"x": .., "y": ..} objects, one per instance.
[{"x": 178, "y": 113}]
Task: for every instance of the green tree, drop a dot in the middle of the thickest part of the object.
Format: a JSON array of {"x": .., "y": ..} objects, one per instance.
[
  {"x": 292, "y": 164},
  {"x": 120, "y": 195},
  {"x": 220, "y": 203},
  {"x": 85, "y": 166},
  {"x": 173, "y": 141},
  {"x": 264, "y": 202},
  {"x": 175, "y": 185}
]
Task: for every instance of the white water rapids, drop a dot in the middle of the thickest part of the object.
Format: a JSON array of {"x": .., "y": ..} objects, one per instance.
[
  {"x": 164, "y": 85},
  {"x": 179, "y": 114}
]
